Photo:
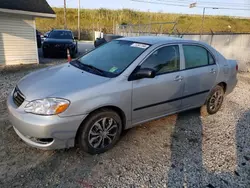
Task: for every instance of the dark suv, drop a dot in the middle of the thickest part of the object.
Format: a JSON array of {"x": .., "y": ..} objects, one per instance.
[{"x": 57, "y": 43}]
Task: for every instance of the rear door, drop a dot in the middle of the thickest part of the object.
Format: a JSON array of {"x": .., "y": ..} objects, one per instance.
[
  {"x": 153, "y": 97},
  {"x": 199, "y": 75}
]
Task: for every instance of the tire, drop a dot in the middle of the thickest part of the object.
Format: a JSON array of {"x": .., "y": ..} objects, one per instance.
[
  {"x": 214, "y": 101},
  {"x": 90, "y": 136}
]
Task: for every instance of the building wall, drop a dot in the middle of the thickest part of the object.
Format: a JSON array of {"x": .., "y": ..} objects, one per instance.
[
  {"x": 17, "y": 40},
  {"x": 235, "y": 46}
]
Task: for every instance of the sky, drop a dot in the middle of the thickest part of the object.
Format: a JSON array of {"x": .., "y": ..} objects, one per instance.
[{"x": 120, "y": 4}]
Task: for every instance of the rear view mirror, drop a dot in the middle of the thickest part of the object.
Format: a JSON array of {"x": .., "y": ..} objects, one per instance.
[{"x": 143, "y": 73}]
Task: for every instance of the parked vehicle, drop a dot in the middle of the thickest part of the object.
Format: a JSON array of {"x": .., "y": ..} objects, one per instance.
[
  {"x": 119, "y": 85},
  {"x": 58, "y": 41},
  {"x": 38, "y": 39},
  {"x": 106, "y": 38}
]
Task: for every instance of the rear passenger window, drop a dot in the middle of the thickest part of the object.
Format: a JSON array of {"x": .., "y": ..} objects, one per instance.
[
  {"x": 210, "y": 59},
  {"x": 164, "y": 60},
  {"x": 196, "y": 56}
]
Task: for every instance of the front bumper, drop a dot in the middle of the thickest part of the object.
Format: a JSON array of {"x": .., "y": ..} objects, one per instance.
[
  {"x": 60, "y": 130},
  {"x": 59, "y": 50}
]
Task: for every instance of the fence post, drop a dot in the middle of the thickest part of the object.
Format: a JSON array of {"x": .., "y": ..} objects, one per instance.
[{"x": 212, "y": 36}]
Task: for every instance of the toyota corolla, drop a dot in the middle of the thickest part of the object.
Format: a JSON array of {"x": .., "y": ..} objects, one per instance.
[{"x": 91, "y": 100}]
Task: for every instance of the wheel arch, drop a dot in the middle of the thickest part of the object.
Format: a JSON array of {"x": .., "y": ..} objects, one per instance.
[
  {"x": 223, "y": 85},
  {"x": 108, "y": 107}
]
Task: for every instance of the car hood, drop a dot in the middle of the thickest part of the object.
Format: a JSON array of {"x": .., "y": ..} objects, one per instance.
[
  {"x": 58, "y": 41},
  {"x": 58, "y": 81}
]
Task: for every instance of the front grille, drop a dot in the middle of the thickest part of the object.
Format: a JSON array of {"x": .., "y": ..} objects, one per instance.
[
  {"x": 57, "y": 46},
  {"x": 18, "y": 97}
]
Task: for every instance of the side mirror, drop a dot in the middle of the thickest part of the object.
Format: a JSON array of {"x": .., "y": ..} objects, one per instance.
[
  {"x": 143, "y": 73},
  {"x": 76, "y": 38}
]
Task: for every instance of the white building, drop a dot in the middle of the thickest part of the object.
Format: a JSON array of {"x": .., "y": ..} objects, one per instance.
[{"x": 18, "y": 44}]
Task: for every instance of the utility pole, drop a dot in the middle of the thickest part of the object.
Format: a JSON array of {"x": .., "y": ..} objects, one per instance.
[
  {"x": 203, "y": 17},
  {"x": 79, "y": 9},
  {"x": 65, "y": 16},
  {"x": 139, "y": 32},
  {"x": 192, "y": 5}
]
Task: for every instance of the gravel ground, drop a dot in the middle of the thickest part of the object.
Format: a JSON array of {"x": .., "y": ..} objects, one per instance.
[{"x": 183, "y": 150}]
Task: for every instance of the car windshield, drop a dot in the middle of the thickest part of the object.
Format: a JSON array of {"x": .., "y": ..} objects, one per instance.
[
  {"x": 60, "y": 35},
  {"x": 114, "y": 57}
]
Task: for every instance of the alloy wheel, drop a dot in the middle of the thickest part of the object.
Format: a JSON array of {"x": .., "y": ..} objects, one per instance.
[
  {"x": 216, "y": 100},
  {"x": 102, "y": 133}
]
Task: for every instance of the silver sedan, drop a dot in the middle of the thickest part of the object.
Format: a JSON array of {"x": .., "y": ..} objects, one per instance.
[{"x": 90, "y": 101}]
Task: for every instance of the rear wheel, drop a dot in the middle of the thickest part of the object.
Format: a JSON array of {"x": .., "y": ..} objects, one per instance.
[
  {"x": 214, "y": 101},
  {"x": 100, "y": 132}
]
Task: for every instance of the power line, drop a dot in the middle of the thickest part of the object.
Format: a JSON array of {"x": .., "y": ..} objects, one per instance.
[
  {"x": 176, "y": 3},
  {"x": 205, "y": 3},
  {"x": 219, "y": 2},
  {"x": 173, "y": 4}
]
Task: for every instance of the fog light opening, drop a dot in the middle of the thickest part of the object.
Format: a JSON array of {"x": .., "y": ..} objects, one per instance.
[{"x": 41, "y": 140}]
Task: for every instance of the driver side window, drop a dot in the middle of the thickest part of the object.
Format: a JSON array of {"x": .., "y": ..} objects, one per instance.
[{"x": 164, "y": 60}]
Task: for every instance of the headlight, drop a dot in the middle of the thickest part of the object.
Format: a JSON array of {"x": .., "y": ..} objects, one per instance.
[{"x": 47, "y": 106}]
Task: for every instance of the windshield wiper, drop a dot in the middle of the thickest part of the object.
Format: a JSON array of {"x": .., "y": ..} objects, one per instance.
[
  {"x": 77, "y": 64},
  {"x": 82, "y": 66},
  {"x": 94, "y": 68}
]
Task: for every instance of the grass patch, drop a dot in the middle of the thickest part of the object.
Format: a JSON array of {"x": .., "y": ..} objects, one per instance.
[{"x": 107, "y": 19}]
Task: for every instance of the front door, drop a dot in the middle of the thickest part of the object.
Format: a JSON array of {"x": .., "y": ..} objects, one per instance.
[
  {"x": 154, "y": 97},
  {"x": 199, "y": 75}
]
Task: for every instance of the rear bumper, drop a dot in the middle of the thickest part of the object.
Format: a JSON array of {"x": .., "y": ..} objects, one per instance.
[
  {"x": 231, "y": 84},
  {"x": 61, "y": 131}
]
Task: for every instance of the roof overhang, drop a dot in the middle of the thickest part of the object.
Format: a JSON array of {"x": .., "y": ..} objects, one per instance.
[{"x": 35, "y": 14}]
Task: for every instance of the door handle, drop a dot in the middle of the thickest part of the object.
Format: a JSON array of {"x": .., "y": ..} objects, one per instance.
[
  {"x": 213, "y": 71},
  {"x": 178, "y": 78}
]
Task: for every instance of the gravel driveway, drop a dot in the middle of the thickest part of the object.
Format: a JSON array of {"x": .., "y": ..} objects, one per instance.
[{"x": 183, "y": 150}]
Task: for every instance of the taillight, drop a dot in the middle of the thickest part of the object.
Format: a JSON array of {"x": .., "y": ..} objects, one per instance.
[{"x": 237, "y": 67}]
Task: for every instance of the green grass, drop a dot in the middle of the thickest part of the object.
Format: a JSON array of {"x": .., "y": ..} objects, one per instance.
[{"x": 105, "y": 19}]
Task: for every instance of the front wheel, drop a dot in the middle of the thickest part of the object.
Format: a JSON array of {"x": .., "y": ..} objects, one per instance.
[
  {"x": 100, "y": 132},
  {"x": 214, "y": 101}
]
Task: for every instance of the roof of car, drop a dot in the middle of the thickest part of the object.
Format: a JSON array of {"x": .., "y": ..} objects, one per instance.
[
  {"x": 60, "y": 30},
  {"x": 154, "y": 39}
]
